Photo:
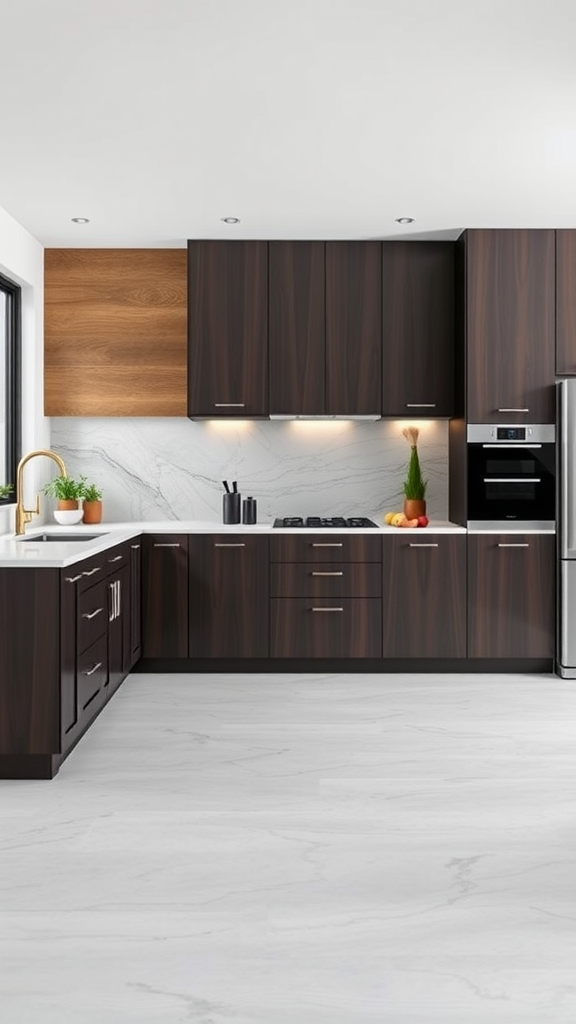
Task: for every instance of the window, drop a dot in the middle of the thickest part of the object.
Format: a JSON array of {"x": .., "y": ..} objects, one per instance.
[{"x": 10, "y": 296}]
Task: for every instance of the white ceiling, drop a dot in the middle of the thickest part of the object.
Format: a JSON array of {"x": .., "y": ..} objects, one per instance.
[{"x": 305, "y": 118}]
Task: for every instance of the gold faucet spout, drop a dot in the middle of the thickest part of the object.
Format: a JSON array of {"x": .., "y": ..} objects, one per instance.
[{"x": 24, "y": 515}]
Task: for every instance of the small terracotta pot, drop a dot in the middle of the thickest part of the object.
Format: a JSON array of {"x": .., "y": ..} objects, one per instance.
[
  {"x": 92, "y": 512},
  {"x": 414, "y": 507},
  {"x": 67, "y": 504}
]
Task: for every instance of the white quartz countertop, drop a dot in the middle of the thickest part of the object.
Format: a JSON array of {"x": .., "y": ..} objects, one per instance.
[{"x": 31, "y": 551}]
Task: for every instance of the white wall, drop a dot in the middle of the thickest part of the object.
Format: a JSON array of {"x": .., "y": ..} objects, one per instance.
[
  {"x": 22, "y": 260},
  {"x": 154, "y": 469}
]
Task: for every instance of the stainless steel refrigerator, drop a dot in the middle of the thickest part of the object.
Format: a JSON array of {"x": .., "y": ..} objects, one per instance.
[{"x": 566, "y": 439}]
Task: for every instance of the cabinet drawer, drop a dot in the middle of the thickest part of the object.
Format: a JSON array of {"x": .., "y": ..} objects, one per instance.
[
  {"x": 330, "y": 579},
  {"x": 326, "y": 628},
  {"x": 92, "y": 672},
  {"x": 92, "y": 614},
  {"x": 325, "y": 547}
]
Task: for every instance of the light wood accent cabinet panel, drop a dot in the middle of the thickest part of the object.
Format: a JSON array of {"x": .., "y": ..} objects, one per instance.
[{"x": 115, "y": 339}]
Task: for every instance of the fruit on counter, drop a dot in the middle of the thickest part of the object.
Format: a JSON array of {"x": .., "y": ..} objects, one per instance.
[
  {"x": 398, "y": 519},
  {"x": 389, "y": 517},
  {"x": 410, "y": 523},
  {"x": 423, "y": 521}
]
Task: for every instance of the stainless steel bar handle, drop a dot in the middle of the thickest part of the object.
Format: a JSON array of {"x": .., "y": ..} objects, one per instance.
[
  {"x": 157, "y": 545},
  {"x": 327, "y": 545},
  {"x": 513, "y": 410},
  {"x": 117, "y": 559},
  {"x": 90, "y": 572},
  {"x": 94, "y": 669},
  {"x": 423, "y": 545},
  {"x": 327, "y": 609},
  {"x": 119, "y": 586},
  {"x": 92, "y": 615},
  {"x": 420, "y": 405},
  {"x": 513, "y": 545},
  {"x": 112, "y": 612},
  {"x": 241, "y": 545},
  {"x": 135, "y": 547},
  {"x": 518, "y": 444},
  {"x": 229, "y": 405},
  {"x": 327, "y": 574},
  {"x": 74, "y": 579},
  {"x": 512, "y": 480}
]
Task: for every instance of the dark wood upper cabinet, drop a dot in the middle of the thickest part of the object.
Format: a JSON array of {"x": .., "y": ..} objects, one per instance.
[
  {"x": 227, "y": 329},
  {"x": 297, "y": 328},
  {"x": 565, "y": 302},
  {"x": 418, "y": 329},
  {"x": 511, "y": 596},
  {"x": 424, "y": 591},
  {"x": 165, "y": 596},
  {"x": 510, "y": 326},
  {"x": 229, "y": 596},
  {"x": 353, "y": 328}
]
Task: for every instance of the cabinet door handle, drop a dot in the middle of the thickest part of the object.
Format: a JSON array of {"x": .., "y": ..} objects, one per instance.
[
  {"x": 513, "y": 545},
  {"x": 112, "y": 612},
  {"x": 117, "y": 559},
  {"x": 513, "y": 410},
  {"x": 74, "y": 579},
  {"x": 135, "y": 547},
  {"x": 423, "y": 545},
  {"x": 216, "y": 545},
  {"x": 119, "y": 598},
  {"x": 512, "y": 480},
  {"x": 420, "y": 405},
  {"x": 90, "y": 572},
  {"x": 327, "y": 574},
  {"x": 229, "y": 405},
  {"x": 319, "y": 545},
  {"x": 94, "y": 669},
  {"x": 92, "y": 615},
  {"x": 327, "y": 609},
  {"x": 166, "y": 545}
]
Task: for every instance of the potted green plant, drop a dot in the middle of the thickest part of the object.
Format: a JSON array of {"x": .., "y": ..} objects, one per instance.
[
  {"x": 5, "y": 490},
  {"x": 67, "y": 492},
  {"x": 91, "y": 503},
  {"x": 414, "y": 485}
]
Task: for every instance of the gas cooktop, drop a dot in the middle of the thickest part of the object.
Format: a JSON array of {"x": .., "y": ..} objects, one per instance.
[{"x": 320, "y": 522}]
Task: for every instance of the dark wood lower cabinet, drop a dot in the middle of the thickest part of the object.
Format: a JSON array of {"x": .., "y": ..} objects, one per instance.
[
  {"x": 424, "y": 596},
  {"x": 325, "y": 627},
  {"x": 511, "y": 596},
  {"x": 165, "y": 596},
  {"x": 228, "y": 596}
]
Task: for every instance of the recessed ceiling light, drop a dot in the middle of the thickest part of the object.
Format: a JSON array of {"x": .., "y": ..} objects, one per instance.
[
  {"x": 80, "y": 220},
  {"x": 231, "y": 220},
  {"x": 404, "y": 220}
]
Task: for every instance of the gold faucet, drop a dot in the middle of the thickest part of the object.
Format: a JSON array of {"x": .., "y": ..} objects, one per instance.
[{"x": 24, "y": 515}]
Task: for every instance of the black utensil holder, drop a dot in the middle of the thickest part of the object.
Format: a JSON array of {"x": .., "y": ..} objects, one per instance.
[{"x": 231, "y": 508}]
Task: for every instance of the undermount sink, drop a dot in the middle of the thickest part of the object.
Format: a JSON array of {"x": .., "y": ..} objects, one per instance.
[{"x": 61, "y": 538}]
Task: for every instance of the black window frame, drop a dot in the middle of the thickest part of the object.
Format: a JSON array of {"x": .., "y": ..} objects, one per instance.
[{"x": 12, "y": 397}]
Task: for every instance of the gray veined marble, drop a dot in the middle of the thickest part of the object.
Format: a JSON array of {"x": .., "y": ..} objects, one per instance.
[
  {"x": 172, "y": 469},
  {"x": 299, "y": 849}
]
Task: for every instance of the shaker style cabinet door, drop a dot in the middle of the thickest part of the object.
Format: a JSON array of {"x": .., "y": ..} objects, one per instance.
[
  {"x": 510, "y": 326},
  {"x": 354, "y": 328},
  {"x": 297, "y": 333},
  {"x": 565, "y": 302},
  {"x": 424, "y": 596},
  {"x": 227, "y": 329},
  {"x": 165, "y": 596},
  {"x": 418, "y": 329},
  {"x": 511, "y": 595},
  {"x": 229, "y": 596}
]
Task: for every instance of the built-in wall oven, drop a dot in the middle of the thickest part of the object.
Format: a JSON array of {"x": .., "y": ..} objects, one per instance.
[{"x": 511, "y": 475}]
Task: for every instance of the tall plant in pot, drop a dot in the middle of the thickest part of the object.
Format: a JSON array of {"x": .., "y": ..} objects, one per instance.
[
  {"x": 414, "y": 485},
  {"x": 66, "y": 491},
  {"x": 92, "y": 504}
]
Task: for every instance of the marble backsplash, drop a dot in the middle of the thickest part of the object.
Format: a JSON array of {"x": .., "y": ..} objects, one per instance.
[{"x": 154, "y": 469}]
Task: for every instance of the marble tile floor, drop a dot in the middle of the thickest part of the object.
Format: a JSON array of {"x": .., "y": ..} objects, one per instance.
[{"x": 323, "y": 849}]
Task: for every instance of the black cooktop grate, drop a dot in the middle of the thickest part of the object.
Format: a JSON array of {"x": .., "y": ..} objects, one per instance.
[{"x": 324, "y": 522}]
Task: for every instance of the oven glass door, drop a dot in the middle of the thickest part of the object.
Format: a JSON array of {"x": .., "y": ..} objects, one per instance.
[{"x": 511, "y": 482}]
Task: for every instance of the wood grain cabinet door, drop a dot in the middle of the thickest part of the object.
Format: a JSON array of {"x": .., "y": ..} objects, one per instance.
[
  {"x": 353, "y": 328},
  {"x": 325, "y": 627},
  {"x": 424, "y": 596},
  {"x": 227, "y": 329},
  {"x": 511, "y": 596},
  {"x": 297, "y": 328},
  {"x": 229, "y": 596},
  {"x": 165, "y": 596},
  {"x": 565, "y": 302},
  {"x": 418, "y": 329},
  {"x": 510, "y": 326}
]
